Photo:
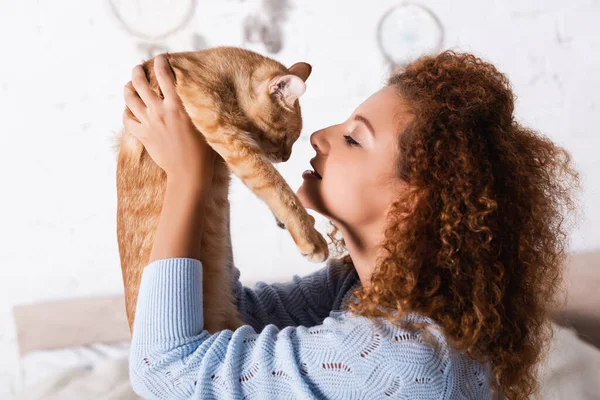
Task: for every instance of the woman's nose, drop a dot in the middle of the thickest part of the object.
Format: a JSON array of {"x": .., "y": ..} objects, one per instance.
[{"x": 319, "y": 142}]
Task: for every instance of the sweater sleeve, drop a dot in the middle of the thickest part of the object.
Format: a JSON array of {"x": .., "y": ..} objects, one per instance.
[
  {"x": 301, "y": 301},
  {"x": 172, "y": 356}
]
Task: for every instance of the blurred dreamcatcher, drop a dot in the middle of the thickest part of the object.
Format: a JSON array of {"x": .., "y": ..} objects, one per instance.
[
  {"x": 408, "y": 31},
  {"x": 264, "y": 23},
  {"x": 151, "y": 22}
]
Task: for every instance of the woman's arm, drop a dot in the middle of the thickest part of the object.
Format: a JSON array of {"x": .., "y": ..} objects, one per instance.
[
  {"x": 179, "y": 230},
  {"x": 177, "y": 147},
  {"x": 181, "y": 222},
  {"x": 305, "y": 300},
  {"x": 173, "y": 357}
]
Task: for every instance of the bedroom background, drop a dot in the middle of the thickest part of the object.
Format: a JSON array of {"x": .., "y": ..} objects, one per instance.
[{"x": 64, "y": 65}]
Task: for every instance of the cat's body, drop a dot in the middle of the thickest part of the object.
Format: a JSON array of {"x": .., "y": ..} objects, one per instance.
[{"x": 246, "y": 107}]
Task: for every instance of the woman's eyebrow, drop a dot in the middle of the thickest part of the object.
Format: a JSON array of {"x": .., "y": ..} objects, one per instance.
[{"x": 367, "y": 123}]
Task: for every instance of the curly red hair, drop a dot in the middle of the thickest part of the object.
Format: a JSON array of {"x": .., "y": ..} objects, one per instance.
[{"x": 482, "y": 247}]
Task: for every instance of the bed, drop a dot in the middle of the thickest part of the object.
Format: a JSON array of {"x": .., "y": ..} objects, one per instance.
[{"x": 83, "y": 352}]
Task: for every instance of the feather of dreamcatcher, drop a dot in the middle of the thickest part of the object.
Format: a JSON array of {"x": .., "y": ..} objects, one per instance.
[{"x": 264, "y": 23}]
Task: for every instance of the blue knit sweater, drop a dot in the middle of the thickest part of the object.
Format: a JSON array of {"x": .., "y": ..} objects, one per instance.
[{"x": 297, "y": 344}]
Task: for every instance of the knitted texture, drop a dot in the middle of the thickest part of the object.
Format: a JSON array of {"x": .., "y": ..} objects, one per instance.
[{"x": 297, "y": 344}]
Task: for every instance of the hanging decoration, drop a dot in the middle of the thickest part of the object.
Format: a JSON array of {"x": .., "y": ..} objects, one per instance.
[
  {"x": 407, "y": 31},
  {"x": 264, "y": 23},
  {"x": 151, "y": 22}
]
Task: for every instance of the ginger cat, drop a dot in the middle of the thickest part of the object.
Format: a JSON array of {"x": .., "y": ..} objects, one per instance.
[{"x": 246, "y": 106}]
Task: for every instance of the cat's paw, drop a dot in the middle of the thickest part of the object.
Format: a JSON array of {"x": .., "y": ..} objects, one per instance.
[{"x": 315, "y": 247}]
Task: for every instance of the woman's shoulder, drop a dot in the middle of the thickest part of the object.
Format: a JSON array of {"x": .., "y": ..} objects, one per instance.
[
  {"x": 341, "y": 266},
  {"x": 418, "y": 348},
  {"x": 417, "y": 344},
  {"x": 342, "y": 278}
]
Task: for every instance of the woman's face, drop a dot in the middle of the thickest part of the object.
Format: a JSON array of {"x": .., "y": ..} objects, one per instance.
[{"x": 357, "y": 161}]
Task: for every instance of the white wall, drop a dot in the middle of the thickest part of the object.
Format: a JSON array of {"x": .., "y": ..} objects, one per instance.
[{"x": 63, "y": 65}]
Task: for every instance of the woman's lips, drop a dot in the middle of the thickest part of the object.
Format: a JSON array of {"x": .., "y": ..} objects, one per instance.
[
  {"x": 314, "y": 169},
  {"x": 310, "y": 174}
]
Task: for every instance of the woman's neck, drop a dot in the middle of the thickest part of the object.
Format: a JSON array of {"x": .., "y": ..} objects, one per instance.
[{"x": 362, "y": 244}]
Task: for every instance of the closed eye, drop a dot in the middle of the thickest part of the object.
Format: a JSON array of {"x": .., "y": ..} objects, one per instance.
[{"x": 350, "y": 141}]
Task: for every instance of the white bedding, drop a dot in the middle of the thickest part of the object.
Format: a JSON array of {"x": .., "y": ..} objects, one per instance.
[
  {"x": 98, "y": 371},
  {"x": 572, "y": 371},
  {"x": 107, "y": 380}
]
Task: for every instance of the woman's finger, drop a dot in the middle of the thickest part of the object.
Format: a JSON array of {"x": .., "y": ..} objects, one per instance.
[
  {"x": 132, "y": 126},
  {"x": 141, "y": 85},
  {"x": 165, "y": 78},
  {"x": 133, "y": 101}
]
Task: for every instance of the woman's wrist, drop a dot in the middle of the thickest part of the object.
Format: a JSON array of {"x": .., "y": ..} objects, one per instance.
[
  {"x": 181, "y": 222},
  {"x": 190, "y": 183},
  {"x": 195, "y": 178}
]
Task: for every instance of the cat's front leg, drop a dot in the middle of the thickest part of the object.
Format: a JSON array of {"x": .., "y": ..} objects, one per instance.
[
  {"x": 245, "y": 159},
  {"x": 279, "y": 223},
  {"x": 288, "y": 212},
  {"x": 259, "y": 175}
]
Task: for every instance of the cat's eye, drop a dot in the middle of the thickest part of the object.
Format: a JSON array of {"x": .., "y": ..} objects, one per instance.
[{"x": 350, "y": 141}]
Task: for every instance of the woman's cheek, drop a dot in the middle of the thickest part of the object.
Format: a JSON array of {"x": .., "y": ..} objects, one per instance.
[{"x": 340, "y": 196}]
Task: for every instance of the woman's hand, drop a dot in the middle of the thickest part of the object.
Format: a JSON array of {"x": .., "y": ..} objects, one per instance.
[{"x": 164, "y": 128}]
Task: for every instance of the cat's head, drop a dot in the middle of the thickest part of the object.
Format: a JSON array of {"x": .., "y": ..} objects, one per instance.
[{"x": 276, "y": 110}]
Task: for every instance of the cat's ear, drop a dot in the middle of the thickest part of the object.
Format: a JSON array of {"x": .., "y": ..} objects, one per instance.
[
  {"x": 301, "y": 69},
  {"x": 290, "y": 86}
]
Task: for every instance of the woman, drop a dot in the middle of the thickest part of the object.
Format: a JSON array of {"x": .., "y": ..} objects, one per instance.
[{"x": 452, "y": 215}]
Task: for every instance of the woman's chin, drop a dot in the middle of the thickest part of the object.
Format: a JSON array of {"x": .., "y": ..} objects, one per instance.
[
  {"x": 307, "y": 195},
  {"x": 309, "y": 198},
  {"x": 302, "y": 196}
]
